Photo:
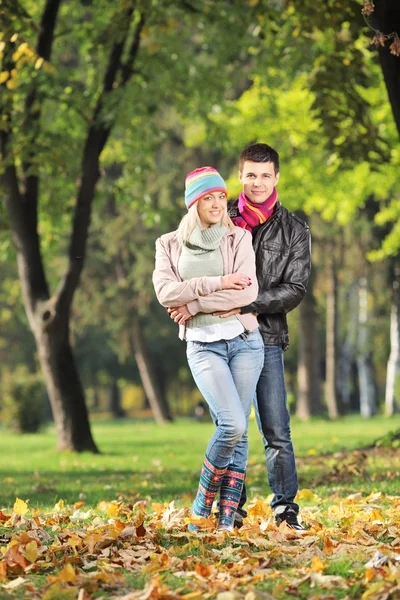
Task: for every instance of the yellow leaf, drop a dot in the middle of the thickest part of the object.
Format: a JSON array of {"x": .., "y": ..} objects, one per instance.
[
  {"x": 376, "y": 515},
  {"x": 112, "y": 510},
  {"x": 259, "y": 509},
  {"x": 158, "y": 508},
  {"x": 318, "y": 565},
  {"x": 14, "y": 37},
  {"x": 306, "y": 495},
  {"x": 39, "y": 63},
  {"x": 369, "y": 575},
  {"x": 67, "y": 573},
  {"x": 31, "y": 551},
  {"x": 4, "y": 75},
  {"x": 312, "y": 452},
  {"x": 20, "y": 507},
  {"x": 59, "y": 506}
]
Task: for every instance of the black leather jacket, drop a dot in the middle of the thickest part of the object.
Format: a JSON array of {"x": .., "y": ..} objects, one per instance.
[{"x": 283, "y": 262}]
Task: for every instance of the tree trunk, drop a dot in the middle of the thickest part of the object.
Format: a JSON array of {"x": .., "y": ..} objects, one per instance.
[
  {"x": 49, "y": 316},
  {"x": 349, "y": 349},
  {"x": 364, "y": 362},
  {"x": 115, "y": 402},
  {"x": 308, "y": 375},
  {"x": 50, "y": 326},
  {"x": 393, "y": 367},
  {"x": 151, "y": 387},
  {"x": 386, "y": 19},
  {"x": 331, "y": 344},
  {"x": 65, "y": 391}
]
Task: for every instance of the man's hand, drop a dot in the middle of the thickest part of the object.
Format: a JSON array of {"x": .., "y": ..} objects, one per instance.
[
  {"x": 227, "y": 313},
  {"x": 180, "y": 314}
]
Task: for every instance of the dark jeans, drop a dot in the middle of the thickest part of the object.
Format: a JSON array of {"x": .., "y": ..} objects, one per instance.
[{"x": 274, "y": 424}]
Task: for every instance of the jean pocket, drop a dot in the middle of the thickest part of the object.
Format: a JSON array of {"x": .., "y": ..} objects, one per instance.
[
  {"x": 193, "y": 347},
  {"x": 254, "y": 340}
]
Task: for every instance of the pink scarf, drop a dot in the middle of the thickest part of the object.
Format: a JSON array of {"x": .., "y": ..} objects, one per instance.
[{"x": 252, "y": 214}]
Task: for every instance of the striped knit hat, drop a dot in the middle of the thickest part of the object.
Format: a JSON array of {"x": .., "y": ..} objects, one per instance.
[{"x": 200, "y": 182}]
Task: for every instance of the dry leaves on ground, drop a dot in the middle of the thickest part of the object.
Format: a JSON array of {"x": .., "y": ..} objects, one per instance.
[{"x": 144, "y": 551}]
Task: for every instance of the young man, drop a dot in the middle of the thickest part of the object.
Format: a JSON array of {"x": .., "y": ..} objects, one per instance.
[{"x": 283, "y": 259}]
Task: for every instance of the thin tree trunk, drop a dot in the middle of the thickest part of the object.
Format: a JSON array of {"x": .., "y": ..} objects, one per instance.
[
  {"x": 393, "y": 367},
  {"x": 364, "y": 362},
  {"x": 308, "y": 375},
  {"x": 151, "y": 387},
  {"x": 115, "y": 402},
  {"x": 331, "y": 345},
  {"x": 349, "y": 348}
]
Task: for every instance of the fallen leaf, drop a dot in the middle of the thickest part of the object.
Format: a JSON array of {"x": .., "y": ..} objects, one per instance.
[
  {"x": 31, "y": 551},
  {"x": 67, "y": 574},
  {"x": 327, "y": 581},
  {"x": 203, "y": 570},
  {"x": 306, "y": 494},
  {"x": 317, "y": 565},
  {"x": 14, "y": 583},
  {"x": 20, "y": 507},
  {"x": 173, "y": 517}
]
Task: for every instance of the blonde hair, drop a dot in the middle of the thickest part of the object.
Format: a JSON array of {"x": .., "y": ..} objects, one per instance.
[{"x": 191, "y": 219}]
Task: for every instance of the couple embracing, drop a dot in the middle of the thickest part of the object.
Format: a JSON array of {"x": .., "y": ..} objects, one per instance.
[{"x": 228, "y": 276}]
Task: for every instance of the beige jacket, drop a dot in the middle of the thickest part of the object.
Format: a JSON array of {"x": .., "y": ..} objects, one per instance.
[{"x": 204, "y": 294}]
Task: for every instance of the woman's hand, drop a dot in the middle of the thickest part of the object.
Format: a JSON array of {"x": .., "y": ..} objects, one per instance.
[
  {"x": 180, "y": 314},
  {"x": 235, "y": 281}
]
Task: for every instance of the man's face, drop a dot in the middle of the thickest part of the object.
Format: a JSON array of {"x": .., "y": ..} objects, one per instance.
[{"x": 258, "y": 180}]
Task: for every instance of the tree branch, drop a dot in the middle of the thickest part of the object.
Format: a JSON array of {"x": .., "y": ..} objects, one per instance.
[
  {"x": 97, "y": 137},
  {"x": 32, "y": 120},
  {"x": 127, "y": 69},
  {"x": 23, "y": 221},
  {"x": 30, "y": 263}
]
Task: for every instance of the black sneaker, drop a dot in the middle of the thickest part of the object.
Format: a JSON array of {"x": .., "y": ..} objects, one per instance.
[
  {"x": 238, "y": 520},
  {"x": 290, "y": 516}
]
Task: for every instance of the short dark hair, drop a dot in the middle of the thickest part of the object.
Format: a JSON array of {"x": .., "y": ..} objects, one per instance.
[{"x": 259, "y": 153}]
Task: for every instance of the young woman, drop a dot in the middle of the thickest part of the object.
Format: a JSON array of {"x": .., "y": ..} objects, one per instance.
[{"x": 208, "y": 265}]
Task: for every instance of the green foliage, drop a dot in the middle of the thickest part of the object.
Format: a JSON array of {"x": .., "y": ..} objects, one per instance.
[
  {"x": 389, "y": 440},
  {"x": 22, "y": 400}
]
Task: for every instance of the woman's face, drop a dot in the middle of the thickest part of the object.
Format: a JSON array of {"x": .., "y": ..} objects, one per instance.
[{"x": 211, "y": 208}]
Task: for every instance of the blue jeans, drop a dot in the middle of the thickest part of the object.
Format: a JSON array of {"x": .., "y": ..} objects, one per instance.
[
  {"x": 274, "y": 424},
  {"x": 226, "y": 373}
]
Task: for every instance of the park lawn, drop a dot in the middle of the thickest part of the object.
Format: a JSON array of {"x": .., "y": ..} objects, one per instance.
[{"x": 349, "y": 496}]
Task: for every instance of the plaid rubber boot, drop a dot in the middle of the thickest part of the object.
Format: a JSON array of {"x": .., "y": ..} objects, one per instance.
[
  {"x": 209, "y": 486},
  {"x": 231, "y": 489}
]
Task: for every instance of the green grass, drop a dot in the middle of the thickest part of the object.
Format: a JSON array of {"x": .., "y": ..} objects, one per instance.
[
  {"x": 143, "y": 461},
  {"x": 140, "y": 458}
]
